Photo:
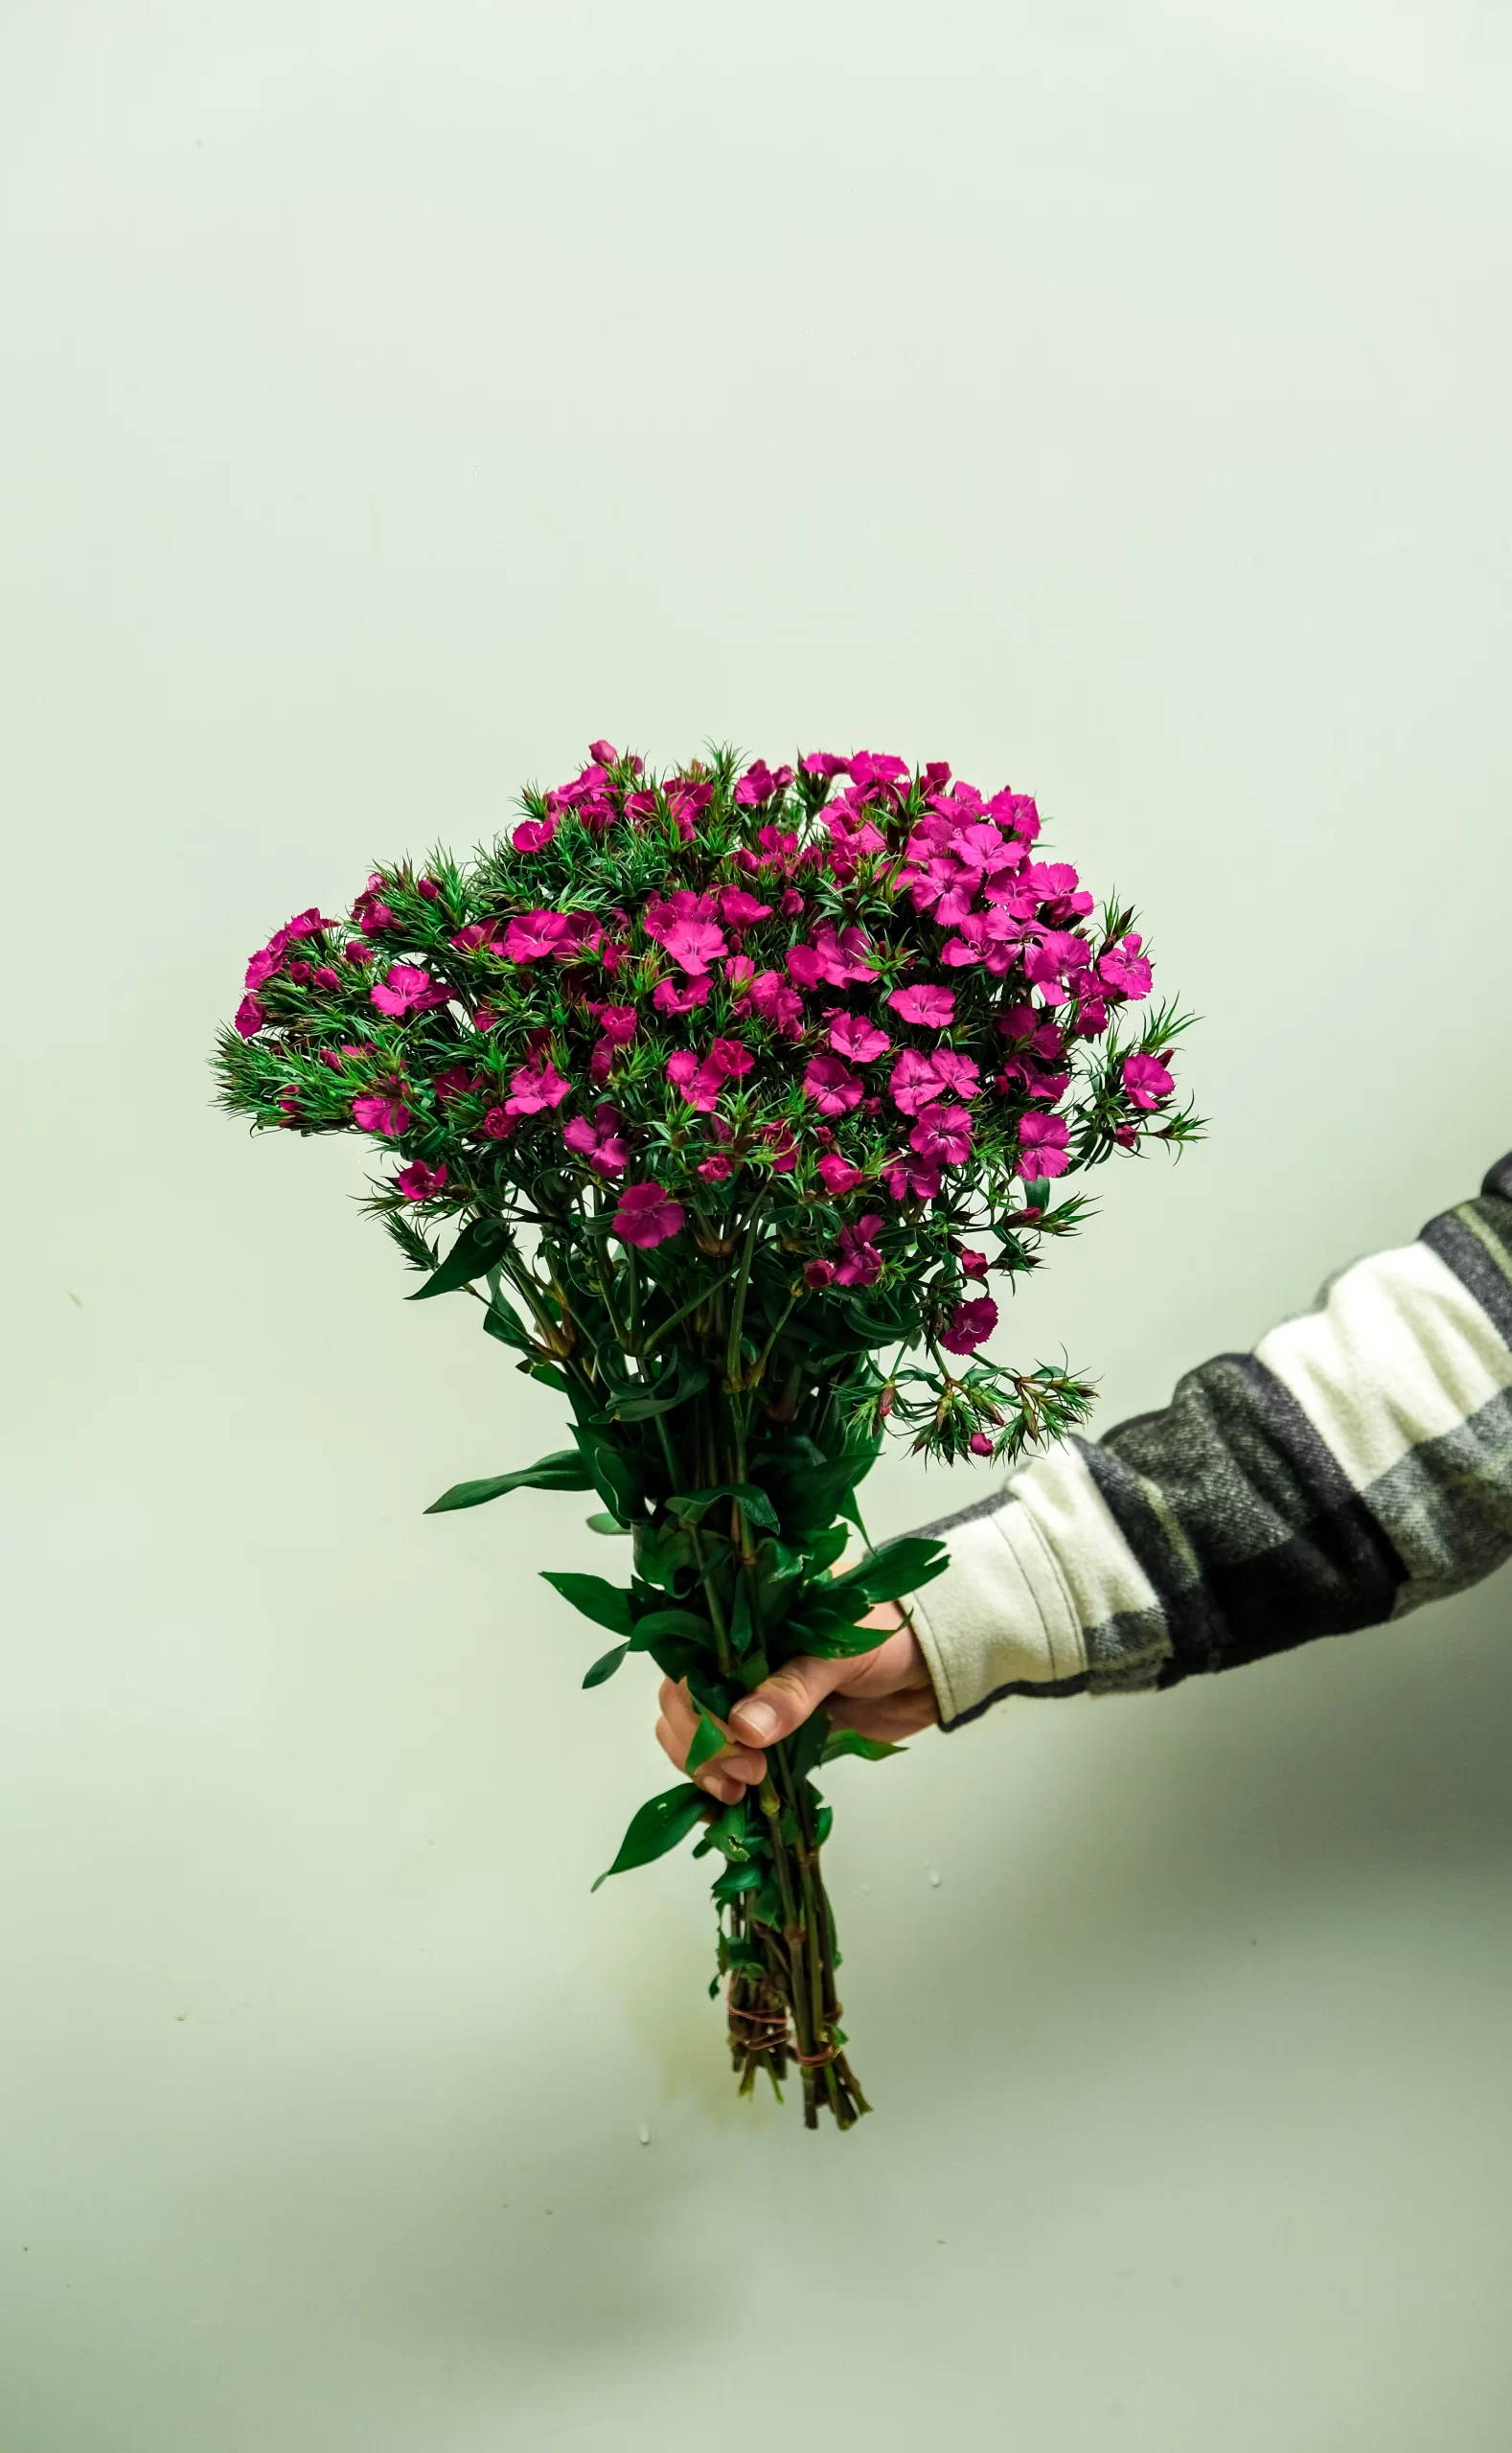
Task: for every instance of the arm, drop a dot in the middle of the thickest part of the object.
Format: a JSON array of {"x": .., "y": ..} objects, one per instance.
[{"x": 1357, "y": 1464}]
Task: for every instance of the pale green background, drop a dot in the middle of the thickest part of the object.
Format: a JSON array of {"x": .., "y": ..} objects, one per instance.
[{"x": 1113, "y": 400}]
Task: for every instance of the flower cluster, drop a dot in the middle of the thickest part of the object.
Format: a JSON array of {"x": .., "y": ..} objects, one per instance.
[{"x": 852, "y": 996}]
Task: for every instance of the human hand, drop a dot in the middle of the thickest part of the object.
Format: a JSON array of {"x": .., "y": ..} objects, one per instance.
[{"x": 885, "y": 1693}]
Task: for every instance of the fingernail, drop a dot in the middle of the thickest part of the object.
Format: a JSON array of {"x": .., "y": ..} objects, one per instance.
[{"x": 757, "y": 1720}]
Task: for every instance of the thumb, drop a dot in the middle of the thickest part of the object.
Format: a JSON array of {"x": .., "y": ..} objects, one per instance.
[{"x": 786, "y": 1698}]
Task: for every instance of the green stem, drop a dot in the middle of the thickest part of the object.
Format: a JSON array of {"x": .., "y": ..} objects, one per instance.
[{"x": 732, "y": 1352}]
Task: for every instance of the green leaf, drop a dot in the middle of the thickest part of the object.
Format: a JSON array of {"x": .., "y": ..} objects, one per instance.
[
  {"x": 560, "y": 1471},
  {"x": 606, "y": 1665},
  {"x": 690, "y": 1505},
  {"x": 895, "y": 1567},
  {"x": 850, "y": 1741},
  {"x": 607, "y": 1605},
  {"x": 839, "y": 1643},
  {"x": 806, "y": 1746},
  {"x": 661, "y": 1822},
  {"x": 736, "y": 1879},
  {"x": 474, "y": 1253},
  {"x": 708, "y": 1740},
  {"x": 501, "y": 1322},
  {"x": 729, "y": 1833},
  {"x": 682, "y": 1626},
  {"x": 602, "y": 1524}
]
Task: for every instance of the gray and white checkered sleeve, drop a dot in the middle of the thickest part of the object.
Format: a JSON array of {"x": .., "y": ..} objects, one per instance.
[{"x": 1356, "y": 1464}]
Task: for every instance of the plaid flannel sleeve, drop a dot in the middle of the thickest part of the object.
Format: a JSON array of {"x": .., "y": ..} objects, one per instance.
[{"x": 1356, "y": 1464}]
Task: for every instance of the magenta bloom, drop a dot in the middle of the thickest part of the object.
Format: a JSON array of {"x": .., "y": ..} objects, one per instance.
[
  {"x": 382, "y": 1114},
  {"x": 1124, "y": 971},
  {"x": 714, "y": 1170},
  {"x": 599, "y": 1140},
  {"x": 673, "y": 996},
  {"x": 604, "y": 754},
  {"x": 942, "y": 1135},
  {"x": 498, "y": 1124},
  {"x": 972, "y": 1324},
  {"x": 860, "y": 1262},
  {"x": 1043, "y": 1141},
  {"x": 646, "y": 1216},
  {"x": 370, "y": 912},
  {"x": 919, "y": 1178},
  {"x": 852, "y": 1035},
  {"x": 261, "y": 967},
  {"x": 454, "y": 1082},
  {"x": 780, "y": 1007},
  {"x": 759, "y": 783},
  {"x": 618, "y": 1023},
  {"x": 419, "y": 1182},
  {"x": 979, "y": 1444},
  {"x": 822, "y": 761},
  {"x": 533, "y": 833},
  {"x": 739, "y": 909},
  {"x": 731, "y": 1057},
  {"x": 701, "y": 1084},
  {"x": 838, "y": 1176},
  {"x": 972, "y": 1264},
  {"x": 832, "y": 1085},
  {"x": 831, "y": 959},
  {"x": 476, "y": 933},
  {"x": 1146, "y": 1081},
  {"x": 934, "y": 1009},
  {"x": 818, "y": 1273},
  {"x": 407, "y": 990},
  {"x": 249, "y": 1017},
  {"x": 694, "y": 944},
  {"x": 533, "y": 935},
  {"x": 535, "y": 1087}
]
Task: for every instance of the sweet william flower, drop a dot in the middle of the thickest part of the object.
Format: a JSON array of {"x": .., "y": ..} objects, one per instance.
[
  {"x": 681, "y": 997},
  {"x": 647, "y": 1216},
  {"x": 249, "y": 1017},
  {"x": 714, "y": 1170},
  {"x": 911, "y": 1178},
  {"x": 972, "y": 1264},
  {"x": 261, "y": 967},
  {"x": 934, "y": 1009},
  {"x": 838, "y": 1176},
  {"x": 979, "y": 1444},
  {"x": 694, "y": 944},
  {"x": 407, "y": 990},
  {"x": 535, "y": 1087},
  {"x": 942, "y": 1135},
  {"x": 972, "y": 1324},
  {"x": 370, "y": 912},
  {"x": 860, "y": 1262},
  {"x": 1043, "y": 1141},
  {"x": 823, "y": 762},
  {"x": 498, "y": 1124},
  {"x": 604, "y": 754},
  {"x": 852, "y": 1035},
  {"x": 818, "y": 1273},
  {"x": 599, "y": 1140},
  {"x": 732, "y": 1057},
  {"x": 533, "y": 833},
  {"x": 1147, "y": 1081},
  {"x": 419, "y": 1182},
  {"x": 381, "y": 1112},
  {"x": 1123, "y": 970},
  {"x": 832, "y": 1085},
  {"x": 532, "y": 935},
  {"x": 739, "y": 909}
]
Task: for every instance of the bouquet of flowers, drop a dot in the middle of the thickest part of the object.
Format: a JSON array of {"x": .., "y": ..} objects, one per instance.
[{"x": 727, "y": 1094}]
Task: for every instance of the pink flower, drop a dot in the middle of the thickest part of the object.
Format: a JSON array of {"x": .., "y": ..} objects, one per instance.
[
  {"x": 818, "y": 1273},
  {"x": 1043, "y": 1141},
  {"x": 783, "y": 1147},
  {"x": 979, "y": 1444},
  {"x": 694, "y": 944},
  {"x": 300, "y": 974},
  {"x": 477, "y": 933},
  {"x": 604, "y": 754},
  {"x": 1123, "y": 970},
  {"x": 830, "y": 958},
  {"x": 599, "y": 1142},
  {"x": 646, "y": 1216},
  {"x": 759, "y": 783},
  {"x": 942, "y": 1135},
  {"x": 535, "y": 1087},
  {"x": 354, "y": 951},
  {"x": 934, "y": 1009},
  {"x": 407, "y": 990},
  {"x": 1146, "y": 1081},
  {"x": 533, "y": 833},
  {"x": 370, "y": 912},
  {"x": 739, "y": 909},
  {"x": 429, "y": 888},
  {"x": 714, "y": 1170},
  {"x": 860, "y": 1262},
  {"x": 618, "y": 1023},
  {"x": 972, "y": 1324},
  {"x": 1126, "y": 1136},
  {"x": 875, "y": 770},
  {"x": 972, "y": 1264},
  {"x": 915, "y": 1177},
  {"x": 532, "y": 935},
  {"x": 701, "y": 1084},
  {"x": 791, "y": 906},
  {"x": 261, "y": 967},
  {"x": 731, "y": 1057},
  {"x": 821, "y": 762},
  {"x": 672, "y": 996},
  {"x": 382, "y": 1114},
  {"x": 852, "y": 1035},
  {"x": 419, "y": 1182},
  {"x": 780, "y": 1007},
  {"x": 498, "y": 1124},
  {"x": 838, "y": 1176},
  {"x": 832, "y": 1085},
  {"x": 249, "y": 1017},
  {"x": 333, "y": 1056},
  {"x": 325, "y": 977}
]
